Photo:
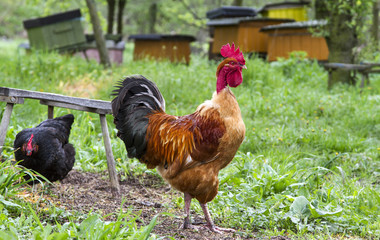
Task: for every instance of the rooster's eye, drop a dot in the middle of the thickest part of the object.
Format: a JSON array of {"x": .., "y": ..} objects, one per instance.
[{"x": 232, "y": 63}]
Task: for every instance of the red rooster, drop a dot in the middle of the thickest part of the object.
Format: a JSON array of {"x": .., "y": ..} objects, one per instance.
[{"x": 188, "y": 151}]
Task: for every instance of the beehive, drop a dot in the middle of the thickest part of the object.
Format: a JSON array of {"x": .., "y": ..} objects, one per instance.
[
  {"x": 114, "y": 44},
  {"x": 292, "y": 10},
  {"x": 231, "y": 12},
  {"x": 176, "y": 48},
  {"x": 55, "y": 32},
  {"x": 244, "y": 32},
  {"x": 288, "y": 37}
]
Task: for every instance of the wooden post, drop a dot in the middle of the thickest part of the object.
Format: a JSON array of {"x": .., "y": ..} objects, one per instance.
[
  {"x": 110, "y": 160},
  {"x": 11, "y": 101},
  {"x": 50, "y": 112},
  {"x": 4, "y": 124},
  {"x": 365, "y": 79}
]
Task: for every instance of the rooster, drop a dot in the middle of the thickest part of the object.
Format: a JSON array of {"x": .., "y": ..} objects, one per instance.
[
  {"x": 188, "y": 151},
  {"x": 45, "y": 148}
]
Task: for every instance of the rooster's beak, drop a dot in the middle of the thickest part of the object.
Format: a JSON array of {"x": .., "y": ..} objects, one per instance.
[{"x": 242, "y": 66}]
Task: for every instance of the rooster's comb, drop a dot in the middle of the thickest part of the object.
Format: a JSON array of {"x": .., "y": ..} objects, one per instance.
[{"x": 229, "y": 51}]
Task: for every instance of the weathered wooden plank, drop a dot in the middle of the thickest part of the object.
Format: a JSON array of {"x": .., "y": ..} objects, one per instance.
[
  {"x": 372, "y": 64},
  {"x": 363, "y": 69},
  {"x": 4, "y": 124},
  {"x": 346, "y": 66},
  {"x": 115, "y": 188},
  {"x": 15, "y": 100},
  {"x": 373, "y": 71},
  {"x": 75, "y": 107},
  {"x": 90, "y": 103}
]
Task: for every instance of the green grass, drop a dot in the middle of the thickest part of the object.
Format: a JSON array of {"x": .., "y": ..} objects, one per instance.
[{"x": 310, "y": 162}]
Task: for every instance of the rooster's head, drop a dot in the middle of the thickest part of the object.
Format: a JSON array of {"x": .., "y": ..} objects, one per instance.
[
  {"x": 29, "y": 147},
  {"x": 229, "y": 71}
]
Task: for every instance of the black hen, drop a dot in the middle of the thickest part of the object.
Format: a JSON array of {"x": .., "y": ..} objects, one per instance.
[{"x": 46, "y": 148}]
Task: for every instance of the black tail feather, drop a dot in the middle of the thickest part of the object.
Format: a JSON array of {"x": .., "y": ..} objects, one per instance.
[{"x": 136, "y": 98}]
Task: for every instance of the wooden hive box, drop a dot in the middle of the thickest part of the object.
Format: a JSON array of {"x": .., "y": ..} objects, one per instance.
[
  {"x": 176, "y": 48},
  {"x": 56, "y": 32},
  {"x": 288, "y": 37},
  {"x": 231, "y": 12},
  {"x": 292, "y": 10},
  {"x": 223, "y": 26},
  {"x": 114, "y": 44},
  {"x": 244, "y": 32}
]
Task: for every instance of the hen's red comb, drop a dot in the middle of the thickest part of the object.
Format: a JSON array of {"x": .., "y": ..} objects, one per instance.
[
  {"x": 30, "y": 140},
  {"x": 229, "y": 51}
]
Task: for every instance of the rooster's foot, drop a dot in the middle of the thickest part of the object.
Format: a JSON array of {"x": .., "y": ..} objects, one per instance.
[
  {"x": 189, "y": 226},
  {"x": 220, "y": 230}
]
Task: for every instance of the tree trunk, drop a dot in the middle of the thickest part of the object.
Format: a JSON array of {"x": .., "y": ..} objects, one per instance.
[
  {"x": 321, "y": 11},
  {"x": 120, "y": 16},
  {"x": 152, "y": 17},
  {"x": 98, "y": 34},
  {"x": 237, "y": 3},
  {"x": 110, "y": 16},
  {"x": 341, "y": 39},
  {"x": 375, "y": 23}
]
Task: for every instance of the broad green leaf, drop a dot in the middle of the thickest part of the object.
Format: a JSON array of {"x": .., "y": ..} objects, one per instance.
[
  {"x": 5, "y": 235},
  {"x": 317, "y": 213},
  {"x": 59, "y": 236},
  {"x": 8, "y": 203},
  {"x": 299, "y": 207}
]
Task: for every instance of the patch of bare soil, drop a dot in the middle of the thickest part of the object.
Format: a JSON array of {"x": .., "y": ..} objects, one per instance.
[{"x": 148, "y": 195}]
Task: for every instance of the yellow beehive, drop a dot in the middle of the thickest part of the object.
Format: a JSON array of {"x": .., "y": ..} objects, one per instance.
[{"x": 292, "y": 10}]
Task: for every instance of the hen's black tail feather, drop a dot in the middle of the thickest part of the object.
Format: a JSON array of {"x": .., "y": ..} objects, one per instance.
[{"x": 136, "y": 97}]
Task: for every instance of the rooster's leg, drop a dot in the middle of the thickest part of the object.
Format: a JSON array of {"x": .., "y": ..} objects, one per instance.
[
  {"x": 186, "y": 223},
  {"x": 210, "y": 223}
]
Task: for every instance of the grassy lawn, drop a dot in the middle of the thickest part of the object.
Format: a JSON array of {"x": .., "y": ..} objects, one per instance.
[{"x": 309, "y": 166}]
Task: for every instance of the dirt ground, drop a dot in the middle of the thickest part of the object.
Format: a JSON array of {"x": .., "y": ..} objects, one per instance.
[{"x": 148, "y": 195}]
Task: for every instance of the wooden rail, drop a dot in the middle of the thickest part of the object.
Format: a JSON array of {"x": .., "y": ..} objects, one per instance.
[
  {"x": 364, "y": 69},
  {"x": 16, "y": 96}
]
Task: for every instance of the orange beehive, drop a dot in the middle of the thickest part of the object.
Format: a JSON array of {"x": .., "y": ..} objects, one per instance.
[
  {"x": 176, "y": 48},
  {"x": 244, "y": 32},
  {"x": 288, "y": 37}
]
